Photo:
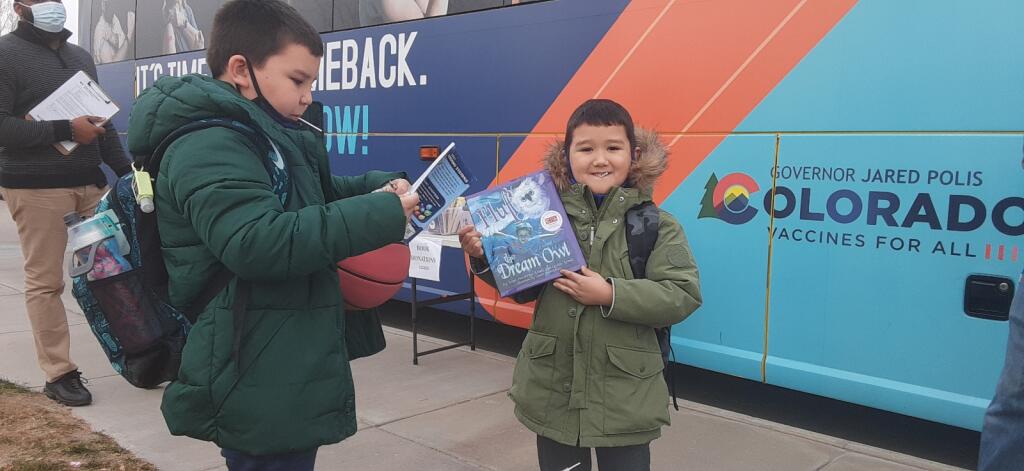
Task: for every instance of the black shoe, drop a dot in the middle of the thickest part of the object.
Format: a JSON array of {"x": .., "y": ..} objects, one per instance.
[{"x": 69, "y": 390}]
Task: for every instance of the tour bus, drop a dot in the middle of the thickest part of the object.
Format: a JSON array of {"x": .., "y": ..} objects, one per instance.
[{"x": 848, "y": 173}]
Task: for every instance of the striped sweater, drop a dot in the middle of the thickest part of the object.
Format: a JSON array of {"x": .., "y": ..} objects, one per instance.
[{"x": 29, "y": 72}]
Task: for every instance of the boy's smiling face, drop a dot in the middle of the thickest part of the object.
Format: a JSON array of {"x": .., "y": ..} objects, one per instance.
[
  {"x": 600, "y": 157},
  {"x": 286, "y": 80}
]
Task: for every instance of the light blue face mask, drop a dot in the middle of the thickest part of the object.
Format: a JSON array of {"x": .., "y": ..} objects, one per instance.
[{"x": 48, "y": 16}]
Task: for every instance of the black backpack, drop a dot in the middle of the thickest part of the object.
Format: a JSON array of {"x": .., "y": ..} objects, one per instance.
[
  {"x": 140, "y": 332},
  {"x": 642, "y": 223}
]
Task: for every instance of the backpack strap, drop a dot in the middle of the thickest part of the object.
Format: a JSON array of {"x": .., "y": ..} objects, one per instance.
[
  {"x": 273, "y": 162},
  {"x": 151, "y": 162},
  {"x": 642, "y": 222},
  {"x": 214, "y": 286}
]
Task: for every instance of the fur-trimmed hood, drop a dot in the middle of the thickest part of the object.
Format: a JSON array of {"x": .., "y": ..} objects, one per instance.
[{"x": 642, "y": 174}]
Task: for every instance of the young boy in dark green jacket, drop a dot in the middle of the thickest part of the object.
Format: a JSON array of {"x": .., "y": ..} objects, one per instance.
[
  {"x": 274, "y": 388},
  {"x": 589, "y": 373}
]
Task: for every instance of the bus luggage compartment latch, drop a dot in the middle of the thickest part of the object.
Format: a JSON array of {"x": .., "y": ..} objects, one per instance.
[{"x": 988, "y": 297}]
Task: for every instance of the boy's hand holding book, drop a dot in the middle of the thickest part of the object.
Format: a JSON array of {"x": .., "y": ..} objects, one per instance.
[
  {"x": 400, "y": 187},
  {"x": 588, "y": 287},
  {"x": 409, "y": 203},
  {"x": 469, "y": 238}
]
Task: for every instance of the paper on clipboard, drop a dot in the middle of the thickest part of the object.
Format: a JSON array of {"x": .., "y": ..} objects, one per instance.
[{"x": 79, "y": 96}]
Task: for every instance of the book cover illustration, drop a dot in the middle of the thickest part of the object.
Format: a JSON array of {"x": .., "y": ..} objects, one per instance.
[
  {"x": 526, "y": 235},
  {"x": 439, "y": 186}
]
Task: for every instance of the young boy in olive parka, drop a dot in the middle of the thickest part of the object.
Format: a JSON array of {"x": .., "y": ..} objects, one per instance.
[{"x": 589, "y": 373}]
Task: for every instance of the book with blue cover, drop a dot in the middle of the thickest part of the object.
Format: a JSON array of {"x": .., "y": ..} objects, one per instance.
[
  {"x": 439, "y": 186},
  {"x": 527, "y": 237}
]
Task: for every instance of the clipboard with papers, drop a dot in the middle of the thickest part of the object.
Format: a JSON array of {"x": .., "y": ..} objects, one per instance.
[{"x": 79, "y": 96}]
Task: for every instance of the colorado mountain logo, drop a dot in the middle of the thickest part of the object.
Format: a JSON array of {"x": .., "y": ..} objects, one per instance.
[{"x": 728, "y": 199}]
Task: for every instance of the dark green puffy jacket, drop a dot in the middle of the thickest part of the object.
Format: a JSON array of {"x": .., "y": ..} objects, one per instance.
[{"x": 291, "y": 386}]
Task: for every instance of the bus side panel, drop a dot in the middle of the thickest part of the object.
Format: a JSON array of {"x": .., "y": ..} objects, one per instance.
[
  {"x": 916, "y": 65},
  {"x": 731, "y": 249},
  {"x": 872, "y": 310},
  {"x": 875, "y": 315},
  {"x": 118, "y": 81}
]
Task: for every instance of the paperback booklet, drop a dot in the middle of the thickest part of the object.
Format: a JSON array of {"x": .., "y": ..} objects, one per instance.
[
  {"x": 438, "y": 187},
  {"x": 526, "y": 235}
]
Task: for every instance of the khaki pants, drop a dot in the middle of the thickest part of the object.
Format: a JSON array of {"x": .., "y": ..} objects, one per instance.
[{"x": 39, "y": 215}]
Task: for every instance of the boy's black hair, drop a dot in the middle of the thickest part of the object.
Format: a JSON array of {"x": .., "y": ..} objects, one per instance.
[
  {"x": 257, "y": 29},
  {"x": 600, "y": 112}
]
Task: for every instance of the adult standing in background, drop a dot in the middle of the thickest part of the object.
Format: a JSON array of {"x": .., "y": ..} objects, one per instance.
[
  {"x": 1002, "y": 435},
  {"x": 40, "y": 184}
]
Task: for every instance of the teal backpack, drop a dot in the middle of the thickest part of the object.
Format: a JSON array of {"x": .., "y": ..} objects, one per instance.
[{"x": 140, "y": 332}]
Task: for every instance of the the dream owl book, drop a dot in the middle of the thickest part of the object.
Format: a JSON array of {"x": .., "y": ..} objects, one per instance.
[{"x": 527, "y": 237}]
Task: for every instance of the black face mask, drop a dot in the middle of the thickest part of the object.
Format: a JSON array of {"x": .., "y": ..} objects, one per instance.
[{"x": 265, "y": 105}]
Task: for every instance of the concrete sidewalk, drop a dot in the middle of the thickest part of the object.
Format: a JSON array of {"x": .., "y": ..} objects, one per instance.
[{"x": 448, "y": 413}]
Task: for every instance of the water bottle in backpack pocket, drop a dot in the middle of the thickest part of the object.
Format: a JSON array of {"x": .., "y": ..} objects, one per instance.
[
  {"x": 140, "y": 334},
  {"x": 98, "y": 248},
  {"x": 100, "y": 258}
]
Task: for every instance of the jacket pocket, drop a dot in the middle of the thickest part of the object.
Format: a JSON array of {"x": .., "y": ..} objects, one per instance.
[
  {"x": 534, "y": 376},
  {"x": 635, "y": 393}
]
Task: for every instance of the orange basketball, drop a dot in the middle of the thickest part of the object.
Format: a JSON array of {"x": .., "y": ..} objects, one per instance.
[{"x": 370, "y": 279}]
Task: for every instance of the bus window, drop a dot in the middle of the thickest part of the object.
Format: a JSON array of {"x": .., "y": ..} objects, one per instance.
[
  {"x": 316, "y": 12},
  {"x": 350, "y": 14},
  {"x": 112, "y": 37},
  {"x": 346, "y": 14},
  {"x": 377, "y": 12},
  {"x": 462, "y": 6},
  {"x": 84, "y": 33},
  {"x": 174, "y": 26}
]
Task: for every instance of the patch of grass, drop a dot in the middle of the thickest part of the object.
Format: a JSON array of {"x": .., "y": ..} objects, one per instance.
[
  {"x": 36, "y": 465},
  {"x": 37, "y": 434},
  {"x": 83, "y": 449},
  {"x": 7, "y": 387}
]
